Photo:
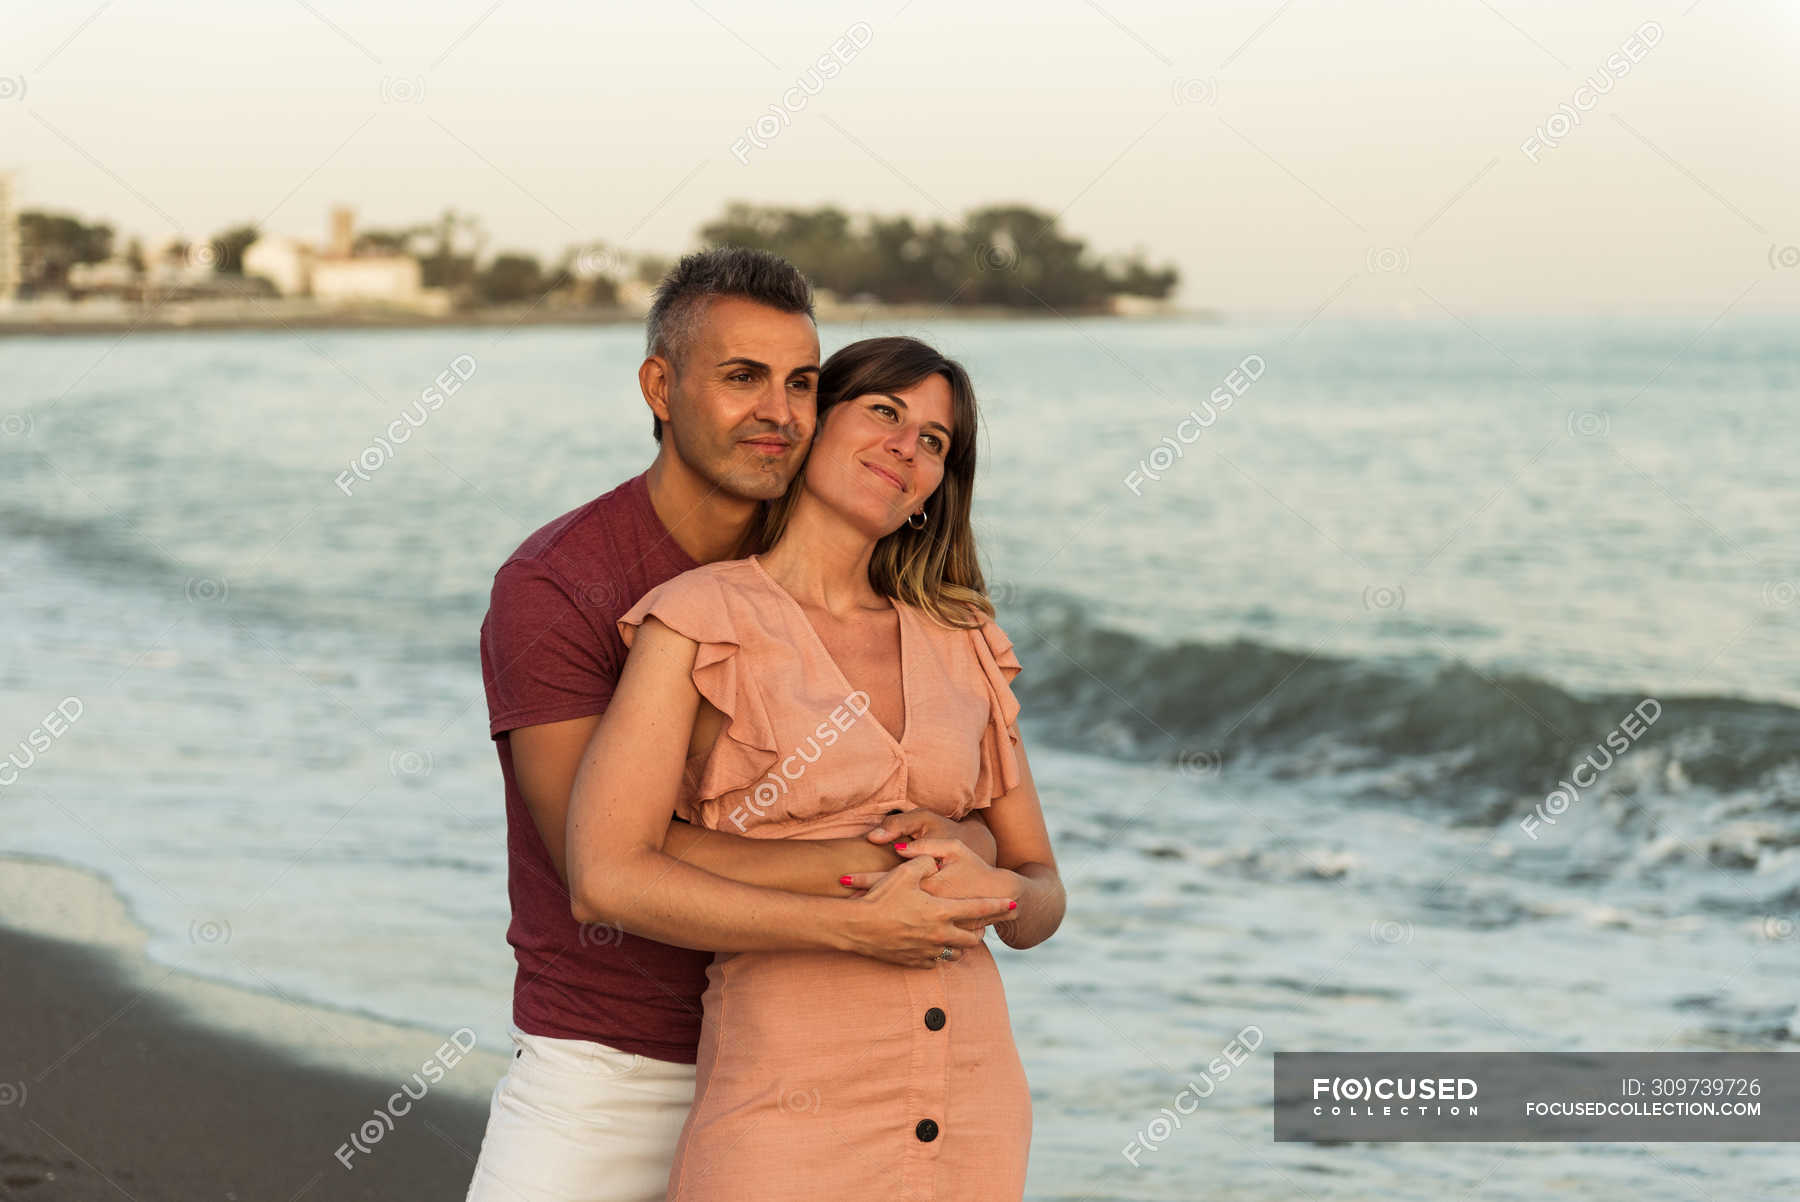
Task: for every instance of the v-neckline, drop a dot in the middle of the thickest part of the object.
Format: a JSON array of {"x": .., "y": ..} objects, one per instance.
[{"x": 905, "y": 685}]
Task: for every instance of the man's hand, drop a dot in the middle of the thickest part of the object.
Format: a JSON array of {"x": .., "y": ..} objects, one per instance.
[
  {"x": 916, "y": 825},
  {"x": 955, "y": 872},
  {"x": 899, "y": 922}
]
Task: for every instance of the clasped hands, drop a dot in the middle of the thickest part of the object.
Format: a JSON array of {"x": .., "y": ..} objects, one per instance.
[{"x": 961, "y": 856}]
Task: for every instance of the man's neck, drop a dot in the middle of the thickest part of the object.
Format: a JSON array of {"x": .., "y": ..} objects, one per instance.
[{"x": 706, "y": 522}]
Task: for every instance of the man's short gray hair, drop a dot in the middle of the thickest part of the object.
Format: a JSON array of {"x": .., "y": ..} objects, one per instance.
[{"x": 682, "y": 298}]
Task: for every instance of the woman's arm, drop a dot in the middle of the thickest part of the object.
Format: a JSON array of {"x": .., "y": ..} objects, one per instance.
[
  {"x": 619, "y": 871},
  {"x": 545, "y": 759},
  {"x": 1022, "y": 842}
]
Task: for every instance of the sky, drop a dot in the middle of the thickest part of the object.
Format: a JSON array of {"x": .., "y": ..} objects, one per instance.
[{"x": 1362, "y": 158}]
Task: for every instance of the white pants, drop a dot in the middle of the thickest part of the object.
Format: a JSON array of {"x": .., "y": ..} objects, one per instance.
[{"x": 576, "y": 1121}]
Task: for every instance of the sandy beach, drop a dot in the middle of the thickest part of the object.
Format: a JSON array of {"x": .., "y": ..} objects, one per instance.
[{"x": 119, "y": 1077}]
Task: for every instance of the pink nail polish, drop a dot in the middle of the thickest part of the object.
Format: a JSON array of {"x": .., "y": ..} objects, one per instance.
[
  {"x": 1012, "y": 905},
  {"x": 844, "y": 880},
  {"x": 899, "y": 847}
]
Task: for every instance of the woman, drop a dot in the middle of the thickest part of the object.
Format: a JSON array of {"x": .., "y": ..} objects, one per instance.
[{"x": 852, "y": 668}]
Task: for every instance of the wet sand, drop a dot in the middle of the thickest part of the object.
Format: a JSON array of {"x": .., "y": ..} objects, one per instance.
[{"x": 114, "y": 1084}]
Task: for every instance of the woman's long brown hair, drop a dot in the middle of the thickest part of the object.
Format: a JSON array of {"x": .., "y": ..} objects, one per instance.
[{"x": 934, "y": 569}]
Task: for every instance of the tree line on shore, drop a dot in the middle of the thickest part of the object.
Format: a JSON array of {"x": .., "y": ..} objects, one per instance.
[{"x": 1008, "y": 256}]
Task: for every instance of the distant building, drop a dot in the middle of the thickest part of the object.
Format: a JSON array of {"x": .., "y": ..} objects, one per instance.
[
  {"x": 284, "y": 262},
  {"x": 9, "y": 240},
  {"x": 343, "y": 233},
  {"x": 338, "y": 275},
  {"x": 171, "y": 262},
  {"x": 396, "y": 279},
  {"x": 115, "y": 277}
]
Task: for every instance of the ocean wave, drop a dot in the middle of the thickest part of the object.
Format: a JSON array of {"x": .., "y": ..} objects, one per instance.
[{"x": 1422, "y": 729}]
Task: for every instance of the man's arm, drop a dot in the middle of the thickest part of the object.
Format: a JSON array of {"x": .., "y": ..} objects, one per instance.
[
  {"x": 1025, "y": 870},
  {"x": 546, "y": 757},
  {"x": 618, "y": 872}
]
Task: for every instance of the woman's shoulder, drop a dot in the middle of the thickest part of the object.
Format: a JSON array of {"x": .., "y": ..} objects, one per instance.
[
  {"x": 699, "y": 602},
  {"x": 960, "y": 622},
  {"x": 716, "y": 579}
]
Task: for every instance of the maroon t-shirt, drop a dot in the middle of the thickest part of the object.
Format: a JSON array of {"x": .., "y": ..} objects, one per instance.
[{"x": 550, "y": 651}]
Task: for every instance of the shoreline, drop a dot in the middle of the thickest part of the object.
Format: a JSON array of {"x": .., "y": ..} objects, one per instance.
[
  {"x": 56, "y": 320},
  {"x": 118, "y": 1074}
]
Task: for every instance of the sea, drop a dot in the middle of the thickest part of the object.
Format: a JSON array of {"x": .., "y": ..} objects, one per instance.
[{"x": 1390, "y": 684}]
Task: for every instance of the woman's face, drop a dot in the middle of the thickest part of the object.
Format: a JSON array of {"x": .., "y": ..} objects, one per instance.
[{"x": 878, "y": 457}]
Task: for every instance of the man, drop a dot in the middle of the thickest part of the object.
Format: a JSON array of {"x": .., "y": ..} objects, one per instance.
[{"x": 607, "y": 1023}]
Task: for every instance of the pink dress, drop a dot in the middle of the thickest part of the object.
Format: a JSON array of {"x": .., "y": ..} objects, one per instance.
[{"x": 828, "y": 1075}]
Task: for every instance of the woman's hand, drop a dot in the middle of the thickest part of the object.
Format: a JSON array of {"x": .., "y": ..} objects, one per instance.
[
  {"x": 909, "y": 927},
  {"x": 957, "y": 872}
]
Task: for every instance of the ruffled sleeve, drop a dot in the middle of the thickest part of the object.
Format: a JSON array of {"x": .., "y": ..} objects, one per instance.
[
  {"x": 695, "y": 604},
  {"x": 999, "y": 773}
]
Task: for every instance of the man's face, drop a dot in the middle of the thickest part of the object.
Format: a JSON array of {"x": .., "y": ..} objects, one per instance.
[{"x": 743, "y": 402}]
